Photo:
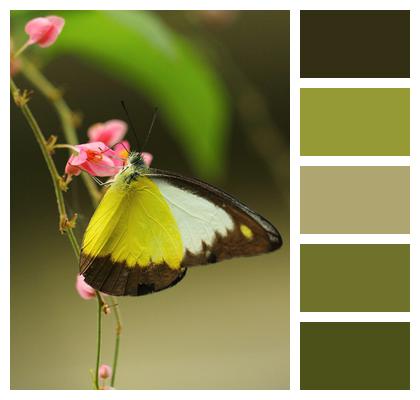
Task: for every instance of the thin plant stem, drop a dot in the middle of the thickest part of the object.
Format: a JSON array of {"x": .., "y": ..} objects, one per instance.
[
  {"x": 22, "y": 49},
  {"x": 74, "y": 243},
  {"x": 98, "y": 339},
  {"x": 118, "y": 329},
  {"x": 21, "y": 100},
  {"x": 66, "y": 115},
  {"x": 64, "y": 146},
  {"x": 65, "y": 225}
]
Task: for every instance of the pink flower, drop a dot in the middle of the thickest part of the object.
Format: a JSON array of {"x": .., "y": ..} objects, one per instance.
[
  {"x": 85, "y": 291},
  {"x": 95, "y": 158},
  {"x": 44, "y": 31},
  {"x": 105, "y": 371},
  {"x": 147, "y": 158},
  {"x": 110, "y": 132},
  {"x": 122, "y": 150}
]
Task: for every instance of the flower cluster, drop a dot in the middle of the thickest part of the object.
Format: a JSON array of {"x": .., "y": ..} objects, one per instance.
[{"x": 105, "y": 154}]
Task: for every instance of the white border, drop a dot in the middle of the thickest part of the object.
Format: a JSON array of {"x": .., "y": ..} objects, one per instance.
[
  {"x": 354, "y": 161},
  {"x": 296, "y": 83},
  {"x": 354, "y": 317},
  {"x": 326, "y": 83}
]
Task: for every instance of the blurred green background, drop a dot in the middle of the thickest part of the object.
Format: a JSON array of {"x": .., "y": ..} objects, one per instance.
[{"x": 221, "y": 82}]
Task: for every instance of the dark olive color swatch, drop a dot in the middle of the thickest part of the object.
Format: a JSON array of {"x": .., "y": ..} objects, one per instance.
[
  {"x": 355, "y": 277},
  {"x": 355, "y": 355},
  {"x": 355, "y": 122},
  {"x": 355, "y": 44}
]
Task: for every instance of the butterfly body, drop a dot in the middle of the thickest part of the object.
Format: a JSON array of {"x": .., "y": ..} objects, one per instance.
[{"x": 152, "y": 225}]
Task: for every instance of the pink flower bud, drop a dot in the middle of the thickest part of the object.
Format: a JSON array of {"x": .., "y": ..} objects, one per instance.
[
  {"x": 147, "y": 158},
  {"x": 110, "y": 132},
  {"x": 105, "y": 371},
  {"x": 44, "y": 31},
  {"x": 85, "y": 291}
]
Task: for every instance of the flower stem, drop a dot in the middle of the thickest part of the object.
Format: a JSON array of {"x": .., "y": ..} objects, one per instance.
[
  {"x": 64, "y": 146},
  {"x": 118, "y": 329},
  {"x": 65, "y": 224},
  {"x": 66, "y": 115},
  {"x": 98, "y": 339},
  {"x": 74, "y": 243},
  {"x": 21, "y": 101},
  {"x": 22, "y": 49}
]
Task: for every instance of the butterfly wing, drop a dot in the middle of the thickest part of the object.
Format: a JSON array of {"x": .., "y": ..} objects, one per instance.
[
  {"x": 132, "y": 245},
  {"x": 214, "y": 226},
  {"x": 144, "y": 234}
]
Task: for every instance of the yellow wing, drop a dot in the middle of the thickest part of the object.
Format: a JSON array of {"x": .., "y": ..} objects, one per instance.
[{"x": 131, "y": 238}]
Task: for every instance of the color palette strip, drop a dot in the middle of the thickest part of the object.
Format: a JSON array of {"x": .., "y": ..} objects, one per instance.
[
  {"x": 355, "y": 200},
  {"x": 355, "y": 278},
  {"x": 355, "y": 122},
  {"x": 368, "y": 202},
  {"x": 355, "y": 44},
  {"x": 355, "y": 355}
]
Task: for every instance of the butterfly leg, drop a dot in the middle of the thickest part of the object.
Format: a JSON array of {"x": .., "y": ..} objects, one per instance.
[{"x": 100, "y": 183}]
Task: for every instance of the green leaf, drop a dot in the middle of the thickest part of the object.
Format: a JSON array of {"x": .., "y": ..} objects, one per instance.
[{"x": 138, "y": 49}]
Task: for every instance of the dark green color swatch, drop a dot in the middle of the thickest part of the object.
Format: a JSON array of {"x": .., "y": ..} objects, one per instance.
[
  {"x": 355, "y": 122},
  {"x": 355, "y": 44},
  {"x": 355, "y": 277},
  {"x": 354, "y": 355}
]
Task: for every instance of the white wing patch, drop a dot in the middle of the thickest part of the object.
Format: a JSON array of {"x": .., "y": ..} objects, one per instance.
[{"x": 198, "y": 219}]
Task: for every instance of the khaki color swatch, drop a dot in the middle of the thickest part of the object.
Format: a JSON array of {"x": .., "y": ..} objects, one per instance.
[
  {"x": 355, "y": 200},
  {"x": 355, "y": 277},
  {"x": 355, "y": 122},
  {"x": 355, "y": 355}
]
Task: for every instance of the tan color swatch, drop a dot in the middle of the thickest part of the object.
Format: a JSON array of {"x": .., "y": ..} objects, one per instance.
[{"x": 355, "y": 200}]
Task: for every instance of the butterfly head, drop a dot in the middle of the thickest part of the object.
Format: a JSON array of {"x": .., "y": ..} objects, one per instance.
[{"x": 136, "y": 160}]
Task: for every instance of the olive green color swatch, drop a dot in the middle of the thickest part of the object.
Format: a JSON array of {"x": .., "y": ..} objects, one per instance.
[
  {"x": 359, "y": 200},
  {"x": 355, "y": 122},
  {"x": 355, "y": 44},
  {"x": 355, "y": 278},
  {"x": 355, "y": 355}
]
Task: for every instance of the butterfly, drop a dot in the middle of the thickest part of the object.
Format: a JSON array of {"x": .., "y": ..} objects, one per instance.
[{"x": 152, "y": 225}]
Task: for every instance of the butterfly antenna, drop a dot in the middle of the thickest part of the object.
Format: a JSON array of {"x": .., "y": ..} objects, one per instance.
[
  {"x": 155, "y": 113},
  {"x": 130, "y": 123}
]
